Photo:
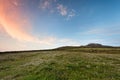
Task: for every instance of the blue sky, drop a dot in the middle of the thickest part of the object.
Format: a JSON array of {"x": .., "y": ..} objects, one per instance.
[{"x": 45, "y": 24}]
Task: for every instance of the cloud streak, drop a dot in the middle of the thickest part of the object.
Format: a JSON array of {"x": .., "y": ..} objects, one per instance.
[{"x": 105, "y": 31}]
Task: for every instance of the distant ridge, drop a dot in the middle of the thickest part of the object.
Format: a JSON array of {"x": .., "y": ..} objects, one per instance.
[
  {"x": 91, "y": 45},
  {"x": 97, "y": 45}
]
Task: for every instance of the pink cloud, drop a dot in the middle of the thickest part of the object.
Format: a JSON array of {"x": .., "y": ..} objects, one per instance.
[
  {"x": 15, "y": 3},
  {"x": 12, "y": 21}
]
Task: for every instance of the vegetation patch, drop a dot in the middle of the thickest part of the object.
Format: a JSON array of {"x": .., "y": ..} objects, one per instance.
[{"x": 61, "y": 65}]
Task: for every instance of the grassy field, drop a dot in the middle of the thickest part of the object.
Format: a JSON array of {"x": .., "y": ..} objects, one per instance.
[{"x": 62, "y": 64}]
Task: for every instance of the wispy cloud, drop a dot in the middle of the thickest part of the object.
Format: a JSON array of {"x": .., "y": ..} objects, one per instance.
[
  {"x": 45, "y": 4},
  {"x": 53, "y": 6},
  {"x": 62, "y": 10},
  {"x": 71, "y": 14},
  {"x": 104, "y": 31}
]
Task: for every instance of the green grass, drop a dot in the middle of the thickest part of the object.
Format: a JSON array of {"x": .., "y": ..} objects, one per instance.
[{"x": 69, "y": 64}]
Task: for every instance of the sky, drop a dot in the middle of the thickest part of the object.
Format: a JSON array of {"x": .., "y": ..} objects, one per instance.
[{"x": 46, "y": 24}]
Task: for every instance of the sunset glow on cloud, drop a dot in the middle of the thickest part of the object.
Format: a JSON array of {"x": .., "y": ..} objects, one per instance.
[{"x": 12, "y": 20}]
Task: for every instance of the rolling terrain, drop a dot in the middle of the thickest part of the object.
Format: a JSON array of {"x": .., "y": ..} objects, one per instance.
[{"x": 65, "y": 63}]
